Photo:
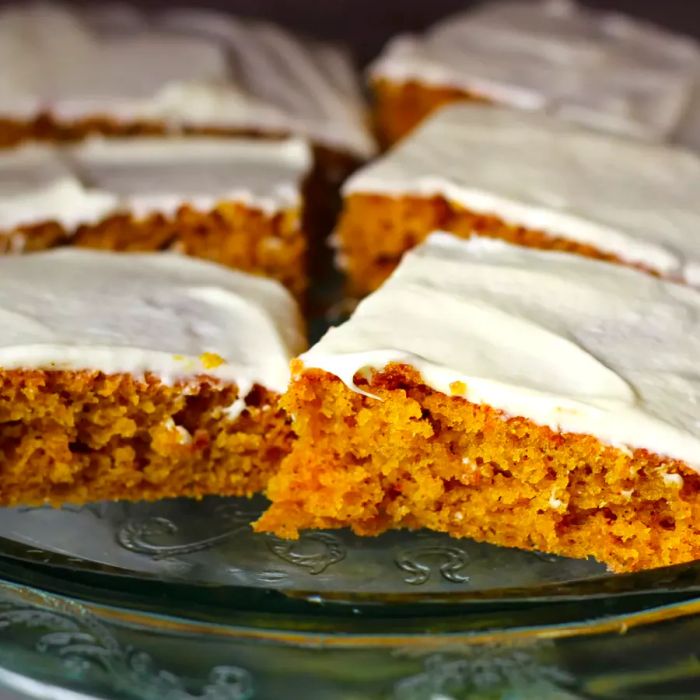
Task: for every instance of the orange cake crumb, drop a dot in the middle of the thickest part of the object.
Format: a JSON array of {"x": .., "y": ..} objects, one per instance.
[
  {"x": 401, "y": 107},
  {"x": 418, "y": 458},
  {"x": 233, "y": 234},
  {"x": 80, "y": 436},
  {"x": 46, "y": 127}
]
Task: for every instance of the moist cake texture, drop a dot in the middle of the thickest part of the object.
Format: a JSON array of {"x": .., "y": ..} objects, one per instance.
[
  {"x": 600, "y": 69},
  {"x": 69, "y": 73},
  {"x": 236, "y": 202},
  {"x": 530, "y": 179},
  {"x": 140, "y": 377},
  {"x": 460, "y": 399}
]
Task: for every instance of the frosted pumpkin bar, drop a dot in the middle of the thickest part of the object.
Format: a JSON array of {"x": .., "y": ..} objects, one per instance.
[
  {"x": 238, "y": 202},
  {"x": 527, "y": 178},
  {"x": 527, "y": 398},
  {"x": 139, "y": 377},
  {"x": 69, "y": 72},
  {"x": 601, "y": 69}
]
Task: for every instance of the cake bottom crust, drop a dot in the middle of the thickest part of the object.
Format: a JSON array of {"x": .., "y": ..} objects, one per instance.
[
  {"x": 376, "y": 230},
  {"x": 76, "y": 437},
  {"x": 420, "y": 459}
]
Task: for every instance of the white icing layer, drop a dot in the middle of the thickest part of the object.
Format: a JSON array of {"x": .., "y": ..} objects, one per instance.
[
  {"x": 634, "y": 199},
  {"x": 574, "y": 344},
  {"x": 159, "y": 313},
  {"x": 689, "y": 131},
  {"x": 181, "y": 67},
  {"x": 602, "y": 69},
  {"x": 94, "y": 179}
]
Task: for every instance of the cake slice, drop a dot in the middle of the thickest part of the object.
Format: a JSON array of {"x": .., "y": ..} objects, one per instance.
[
  {"x": 530, "y": 179},
  {"x": 238, "y": 202},
  {"x": 70, "y": 72},
  {"x": 527, "y": 398},
  {"x": 139, "y": 377},
  {"x": 601, "y": 69}
]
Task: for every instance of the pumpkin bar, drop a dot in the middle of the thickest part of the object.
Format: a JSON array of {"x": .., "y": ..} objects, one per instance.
[
  {"x": 139, "y": 377},
  {"x": 526, "y": 398},
  {"x": 527, "y": 178},
  {"x": 601, "y": 69},
  {"x": 69, "y": 72},
  {"x": 238, "y": 202}
]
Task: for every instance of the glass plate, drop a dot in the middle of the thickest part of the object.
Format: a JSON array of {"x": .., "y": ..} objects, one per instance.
[
  {"x": 210, "y": 542},
  {"x": 180, "y": 599}
]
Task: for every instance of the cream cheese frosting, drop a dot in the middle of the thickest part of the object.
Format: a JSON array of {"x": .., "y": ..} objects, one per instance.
[
  {"x": 97, "y": 178},
  {"x": 153, "y": 313},
  {"x": 615, "y": 356},
  {"x": 302, "y": 86},
  {"x": 602, "y": 69},
  {"x": 634, "y": 199},
  {"x": 689, "y": 131},
  {"x": 182, "y": 68}
]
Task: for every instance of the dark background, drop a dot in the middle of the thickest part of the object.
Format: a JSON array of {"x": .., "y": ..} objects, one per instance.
[{"x": 366, "y": 24}]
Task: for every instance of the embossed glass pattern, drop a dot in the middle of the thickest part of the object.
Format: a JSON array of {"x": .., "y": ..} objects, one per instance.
[{"x": 210, "y": 542}]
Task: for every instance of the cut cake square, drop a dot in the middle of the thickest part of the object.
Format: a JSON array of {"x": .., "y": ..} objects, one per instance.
[
  {"x": 139, "y": 377},
  {"x": 530, "y": 179},
  {"x": 70, "y": 72},
  {"x": 238, "y": 202},
  {"x": 527, "y": 398},
  {"x": 598, "y": 68}
]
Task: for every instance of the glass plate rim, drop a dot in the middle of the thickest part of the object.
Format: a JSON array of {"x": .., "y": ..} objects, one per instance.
[{"x": 682, "y": 583}]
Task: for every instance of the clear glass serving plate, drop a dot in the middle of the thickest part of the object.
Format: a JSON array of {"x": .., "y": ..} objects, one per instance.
[{"x": 180, "y": 599}]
